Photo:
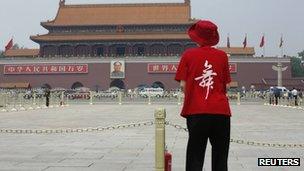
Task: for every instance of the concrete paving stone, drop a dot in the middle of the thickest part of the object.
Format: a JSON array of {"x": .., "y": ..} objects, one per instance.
[
  {"x": 258, "y": 168},
  {"x": 124, "y": 151},
  {"x": 117, "y": 159},
  {"x": 236, "y": 166},
  {"x": 54, "y": 155},
  {"x": 133, "y": 148},
  {"x": 107, "y": 166},
  {"x": 21, "y": 168},
  {"x": 59, "y": 168},
  {"x": 86, "y": 155},
  {"x": 252, "y": 153},
  {"x": 8, "y": 163},
  {"x": 64, "y": 163},
  {"x": 139, "y": 169},
  {"x": 15, "y": 158},
  {"x": 283, "y": 153}
]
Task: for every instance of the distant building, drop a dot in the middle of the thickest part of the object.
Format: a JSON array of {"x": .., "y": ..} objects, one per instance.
[
  {"x": 16, "y": 53},
  {"x": 239, "y": 51},
  {"x": 111, "y": 30},
  {"x": 84, "y": 40}
]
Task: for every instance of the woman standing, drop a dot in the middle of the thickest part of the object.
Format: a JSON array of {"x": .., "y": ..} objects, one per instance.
[{"x": 203, "y": 73}]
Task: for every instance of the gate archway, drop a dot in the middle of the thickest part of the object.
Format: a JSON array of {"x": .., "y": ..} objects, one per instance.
[
  {"x": 118, "y": 83},
  {"x": 77, "y": 85},
  {"x": 158, "y": 84},
  {"x": 46, "y": 86}
]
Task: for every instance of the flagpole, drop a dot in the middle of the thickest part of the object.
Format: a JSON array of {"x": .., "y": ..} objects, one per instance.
[
  {"x": 264, "y": 49},
  {"x": 245, "y": 46},
  {"x": 228, "y": 40},
  {"x": 282, "y": 45}
]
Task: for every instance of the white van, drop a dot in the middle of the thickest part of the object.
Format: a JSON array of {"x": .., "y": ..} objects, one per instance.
[
  {"x": 152, "y": 92},
  {"x": 283, "y": 90}
]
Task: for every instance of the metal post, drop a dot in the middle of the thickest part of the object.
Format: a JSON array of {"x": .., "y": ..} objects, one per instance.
[
  {"x": 160, "y": 117},
  {"x": 51, "y": 105},
  {"x": 238, "y": 98},
  {"x": 62, "y": 99},
  {"x": 279, "y": 100},
  {"x": 91, "y": 98},
  {"x": 43, "y": 102},
  {"x": 34, "y": 102},
  {"x": 119, "y": 98},
  {"x": 1, "y": 101},
  {"x": 56, "y": 99},
  {"x": 67, "y": 100},
  {"x": 266, "y": 98},
  {"x": 179, "y": 98},
  {"x": 31, "y": 102},
  {"x": 4, "y": 102},
  {"x": 39, "y": 101},
  {"x": 21, "y": 101},
  {"x": 14, "y": 105},
  {"x": 149, "y": 98},
  {"x": 283, "y": 101}
]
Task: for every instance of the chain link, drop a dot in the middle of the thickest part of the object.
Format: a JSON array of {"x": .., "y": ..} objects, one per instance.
[
  {"x": 245, "y": 142},
  {"x": 74, "y": 130},
  {"x": 179, "y": 127},
  {"x": 134, "y": 125}
]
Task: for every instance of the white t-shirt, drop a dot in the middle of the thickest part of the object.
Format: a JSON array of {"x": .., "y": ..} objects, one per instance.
[{"x": 294, "y": 92}]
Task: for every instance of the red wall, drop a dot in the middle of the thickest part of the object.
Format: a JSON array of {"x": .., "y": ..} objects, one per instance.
[{"x": 136, "y": 73}]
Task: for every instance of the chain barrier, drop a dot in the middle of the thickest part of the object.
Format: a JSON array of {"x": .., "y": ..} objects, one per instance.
[
  {"x": 285, "y": 106},
  {"x": 74, "y": 130},
  {"x": 246, "y": 142},
  {"x": 134, "y": 125}
]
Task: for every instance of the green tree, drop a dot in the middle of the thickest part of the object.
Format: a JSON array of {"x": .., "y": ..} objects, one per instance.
[
  {"x": 1, "y": 54},
  {"x": 301, "y": 54},
  {"x": 16, "y": 46},
  {"x": 297, "y": 69}
]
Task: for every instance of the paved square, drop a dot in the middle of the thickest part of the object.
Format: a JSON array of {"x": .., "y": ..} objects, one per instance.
[{"x": 132, "y": 149}]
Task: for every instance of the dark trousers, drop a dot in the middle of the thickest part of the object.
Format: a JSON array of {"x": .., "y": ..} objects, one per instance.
[
  {"x": 296, "y": 100},
  {"x": 277, "y": 100},
  {"x": 47, "y": 103},
  {"x": 202, "y": 127}
]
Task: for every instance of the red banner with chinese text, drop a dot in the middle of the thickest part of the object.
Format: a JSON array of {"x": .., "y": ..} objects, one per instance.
[
  {"x": 164, "y": 68},
  {"x": 46, "y": 69}
]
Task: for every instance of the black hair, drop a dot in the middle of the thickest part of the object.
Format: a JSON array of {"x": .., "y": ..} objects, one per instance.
[{"x": 117, "y": 62}]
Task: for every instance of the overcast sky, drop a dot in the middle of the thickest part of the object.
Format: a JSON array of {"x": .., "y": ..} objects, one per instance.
[{"x": 21, "y": 18}]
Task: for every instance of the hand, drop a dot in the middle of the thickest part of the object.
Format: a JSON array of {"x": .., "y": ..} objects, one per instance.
[{"x": 183, "y": 85}]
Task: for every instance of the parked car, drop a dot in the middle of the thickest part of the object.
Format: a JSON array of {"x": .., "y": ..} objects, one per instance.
[
  {"x": 79, "y": 95},
  {"x": 152, "y": 92},
  {"x": 39, "y": 93},
  {"x": 106, "y": 94},
  {"x": 283, "y": 90}
]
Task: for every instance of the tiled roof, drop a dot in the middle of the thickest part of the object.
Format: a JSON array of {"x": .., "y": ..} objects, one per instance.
[
  {"x": 238, "y": 50},
  {"x": 14, "y": 85},
  {"x": 93, "y": 37},
  {"x": 122, "y": 14},
  {"x": 21, "y": 53}
]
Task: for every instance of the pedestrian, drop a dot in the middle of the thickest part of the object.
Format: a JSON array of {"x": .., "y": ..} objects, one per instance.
[
  {"x": 294, "y": 93},
  {"x": 203, "y": 73},
  {"x": 277, "y": 95},
  {"x": 47, "y": 97}
]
